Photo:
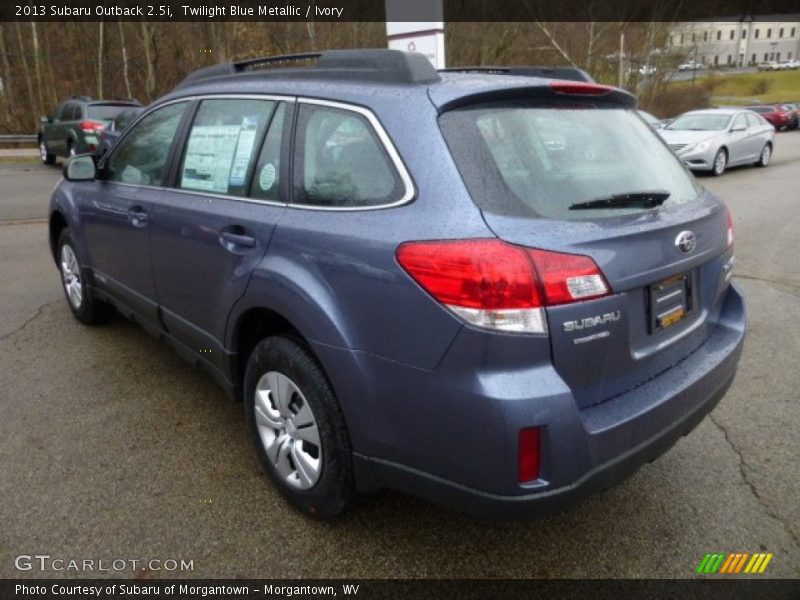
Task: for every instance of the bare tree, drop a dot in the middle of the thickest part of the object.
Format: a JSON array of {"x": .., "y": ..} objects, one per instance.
[
  {"x": 8, "y": 89},
  {"x": 100, "y": 50},
  {"x": 126, "y": 79},
  {"x": 37, "y": 65},
  {"x": 27, "y": 72},
  {"x": 147, "y": 31}
]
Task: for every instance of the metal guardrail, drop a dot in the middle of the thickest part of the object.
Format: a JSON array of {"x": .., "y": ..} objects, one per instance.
[{"x": 17, "y": 138}]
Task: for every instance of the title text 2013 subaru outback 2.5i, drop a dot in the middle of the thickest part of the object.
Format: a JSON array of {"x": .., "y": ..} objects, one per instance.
[{"x": 494, "y": 291}]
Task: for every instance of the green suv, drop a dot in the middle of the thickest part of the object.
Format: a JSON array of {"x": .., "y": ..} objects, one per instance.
[{"x": 75, "y": 125}]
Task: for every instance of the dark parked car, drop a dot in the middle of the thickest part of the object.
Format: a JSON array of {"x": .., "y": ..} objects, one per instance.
[
  {"x": 494, "y": 291},
  {"x": 775, "y": 114},
  {"x": 114, "y": 129},
  {"x": 75, "y": 125}
]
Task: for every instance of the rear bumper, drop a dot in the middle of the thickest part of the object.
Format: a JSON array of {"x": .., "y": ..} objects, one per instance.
[
  {"x": 506, "y": 507},
  {"x": 589, "y": 449}
]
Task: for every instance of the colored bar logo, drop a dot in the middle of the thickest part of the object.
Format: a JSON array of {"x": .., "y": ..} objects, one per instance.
[{"x": 734, "y": 563}]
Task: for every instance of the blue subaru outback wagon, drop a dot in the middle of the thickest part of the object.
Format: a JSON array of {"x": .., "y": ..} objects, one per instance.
[{"x": 491, "y": 289}]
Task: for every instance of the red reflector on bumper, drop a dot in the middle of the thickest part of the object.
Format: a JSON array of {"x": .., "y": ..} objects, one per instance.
[{"x": 529, "y": 454}]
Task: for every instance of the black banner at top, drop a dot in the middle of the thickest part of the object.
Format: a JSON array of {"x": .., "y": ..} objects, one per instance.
[{"x": 407, "y": 10}]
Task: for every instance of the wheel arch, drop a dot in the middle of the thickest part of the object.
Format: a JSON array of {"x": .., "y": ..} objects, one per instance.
[
  {"x": 58, "y": 223},
  {"x": 252, "y": 326}
]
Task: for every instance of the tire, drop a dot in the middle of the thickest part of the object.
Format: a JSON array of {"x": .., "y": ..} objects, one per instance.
[
  {"x": 765, "y": 156},
  {"x": 84, "y": 307},
  {"x": 720, "y": 162},
  {"x": 44, "y": 153},
  {"x": 299, "y": 432}
]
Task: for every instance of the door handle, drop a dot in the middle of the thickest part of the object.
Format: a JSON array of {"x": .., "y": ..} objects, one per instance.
[
  {"x": 138, "y": 216},
  {"x": 235, "y": 241}
]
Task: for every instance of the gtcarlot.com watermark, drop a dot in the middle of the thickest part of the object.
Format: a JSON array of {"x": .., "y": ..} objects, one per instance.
[{"x": 45, "y": 562}]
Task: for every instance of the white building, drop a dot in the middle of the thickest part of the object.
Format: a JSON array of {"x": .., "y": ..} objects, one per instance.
[{"x": 742, "y": 42}]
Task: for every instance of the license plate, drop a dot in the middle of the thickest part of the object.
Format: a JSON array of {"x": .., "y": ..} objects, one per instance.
[
  {"x": 670, "y": 318},
  {"x": 670, "y": 300}
]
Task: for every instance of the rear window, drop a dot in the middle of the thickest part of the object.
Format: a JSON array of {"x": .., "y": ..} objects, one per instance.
[
  {"x": 538, "y": 161},
  {"x": 105, "y": 112}
]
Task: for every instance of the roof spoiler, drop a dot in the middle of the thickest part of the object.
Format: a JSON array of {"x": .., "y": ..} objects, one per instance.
[{"x": 567, "y": 73}]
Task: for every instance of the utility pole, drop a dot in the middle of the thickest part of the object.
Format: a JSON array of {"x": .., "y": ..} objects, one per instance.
[{"x": 621, "y": 57}]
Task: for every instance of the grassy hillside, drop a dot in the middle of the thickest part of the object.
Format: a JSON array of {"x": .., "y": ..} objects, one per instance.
[{"x": 745, "y": 88}]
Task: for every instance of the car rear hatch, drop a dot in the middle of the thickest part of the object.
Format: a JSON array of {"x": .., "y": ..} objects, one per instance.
[{"x": 578, "y": 172}]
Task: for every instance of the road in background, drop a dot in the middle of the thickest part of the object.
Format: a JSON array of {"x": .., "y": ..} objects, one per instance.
[{"x": 112, "y": 447}]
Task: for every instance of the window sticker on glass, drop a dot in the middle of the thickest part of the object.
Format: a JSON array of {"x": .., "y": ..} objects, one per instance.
[
  {"x": 205, "y": 166},
  {"x": 222, "y": 141},
  {"x": 244, "y": 148},
  {"x": 267, "y": 177}
]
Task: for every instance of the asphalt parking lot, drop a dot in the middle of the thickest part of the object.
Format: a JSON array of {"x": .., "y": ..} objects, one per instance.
[{"x": 112, "y": 447}]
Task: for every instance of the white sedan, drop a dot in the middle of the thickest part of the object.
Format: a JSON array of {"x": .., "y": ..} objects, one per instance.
[{"x": 717, "y": 138}]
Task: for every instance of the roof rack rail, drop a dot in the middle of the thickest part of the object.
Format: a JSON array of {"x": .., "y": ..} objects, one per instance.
[
  {"x": 568, "y": 73},
  {"x": 375, "y": 65}
]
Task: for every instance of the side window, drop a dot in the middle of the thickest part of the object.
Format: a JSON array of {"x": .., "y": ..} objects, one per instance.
[
  {"x": 222, "y": 145},
  {"x": 63, "y": 112},
  {"x": 755, "y": 120},
  {"x": 266, "y": 177},
  {"x": 739, "y": 122},
  {"x": 141, "y": 156},
  {"x": 339, "y": 161},
  {"x": 77, "y": 112}
]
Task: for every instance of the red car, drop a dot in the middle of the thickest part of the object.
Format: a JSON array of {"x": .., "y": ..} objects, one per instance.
[{"x": 775, "y": 114}]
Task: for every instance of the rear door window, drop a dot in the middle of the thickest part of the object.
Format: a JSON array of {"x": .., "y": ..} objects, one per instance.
[
  {"x": 538, "y": 161},
  {"x": 222, "y": 145},
  {"x": 266, "y": 178},
  {"x": 754, "y": 120},
  {"x": 68, "y": 112},
  {"x": 340, "y": 161}
]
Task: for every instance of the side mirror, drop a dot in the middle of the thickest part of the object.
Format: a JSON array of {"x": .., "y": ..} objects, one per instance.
[
  {"x": 44, "y": 120},
  {"x": 80, "y": 168},
  {"x": 738, "y": 128}
]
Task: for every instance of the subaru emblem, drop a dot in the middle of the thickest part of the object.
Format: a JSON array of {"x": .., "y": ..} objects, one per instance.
[{"x": 685, "y": 242}]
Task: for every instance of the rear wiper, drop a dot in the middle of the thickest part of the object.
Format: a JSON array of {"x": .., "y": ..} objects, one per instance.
[{"x": 631, "y": 200}]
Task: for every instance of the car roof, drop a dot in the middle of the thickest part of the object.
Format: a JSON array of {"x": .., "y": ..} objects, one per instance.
[
  {"x": 369, "y": 76},
  {"x": 131, "y": 103}
]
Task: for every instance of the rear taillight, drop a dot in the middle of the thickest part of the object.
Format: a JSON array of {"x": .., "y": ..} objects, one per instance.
[
  {"x": 729, "y": 219},
  {"x": 496, "y": 285},
  {"x": 568, "y": 277},
  {"x": 529, "y": 454},
  {"x": 92, "y": 126}
]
